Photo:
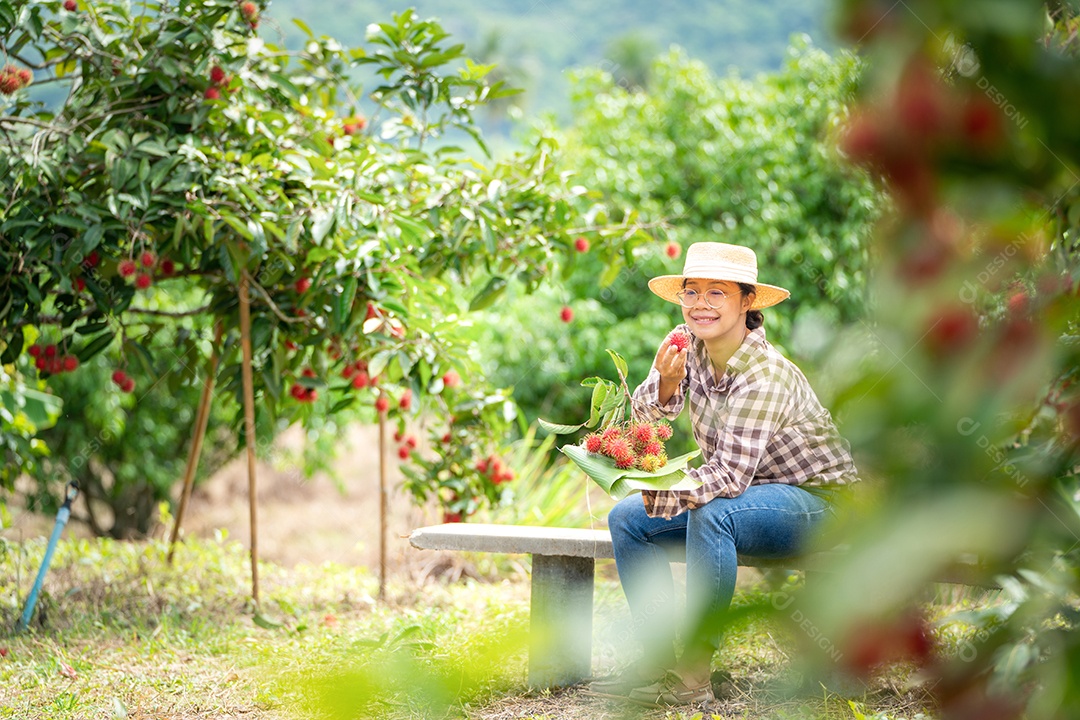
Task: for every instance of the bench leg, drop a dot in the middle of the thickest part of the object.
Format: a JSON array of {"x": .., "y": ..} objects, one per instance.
[{"x": 560, "y": 647}]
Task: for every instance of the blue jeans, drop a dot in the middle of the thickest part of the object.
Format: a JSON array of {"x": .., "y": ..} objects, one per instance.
[{"x": 765, "y": 521}]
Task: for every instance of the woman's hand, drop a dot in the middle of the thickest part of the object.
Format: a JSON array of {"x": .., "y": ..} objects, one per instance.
[{"x": 670, "y": 363}]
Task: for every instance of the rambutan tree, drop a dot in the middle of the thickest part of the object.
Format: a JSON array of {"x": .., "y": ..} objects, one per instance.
[
  {"x": 186, "y": 154},
  {"x": 959, "y": 392}
]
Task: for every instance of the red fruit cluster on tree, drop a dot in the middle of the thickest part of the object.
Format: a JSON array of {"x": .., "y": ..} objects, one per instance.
[
  {"x": 123, "y": 380},
  {"x": 71, "y": 5},
  {"x": 679, "y": 340},
  {"x": 48, "y": 359},
  {"x": 566, "y": 314},
  {"x": 212, "y": 93},
  {"x": 405, "y": 402},
  {"x": 872, "y": 645},
  {"x": 451, "y": 379},
  {"x": 250, "y": 12},
  {"x": 218, "y": 77},
  {"x": 304, "y": 394},
  {"x": 382, "y": 404},
  {"x": 904, "y": 138},
  {"x": 408, "y": 444},
  {"x": 673, "y": 250},
  {"x": 494, "y": 468},
  {"x": 13, "y": 79},
  {"x": 126, "y": 268},
  {"x": 354, "y": 125},
  {"x": 951, "y": 331},
  {"x": 302, "y": 285},
  {"x": 143, "y": 281},
  {"x": 581, "y": 244},
  {"x": 932, "y": 245}
]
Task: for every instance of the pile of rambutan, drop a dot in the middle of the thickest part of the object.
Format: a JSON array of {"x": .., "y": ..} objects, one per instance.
[{"x": 632, "y": 445}]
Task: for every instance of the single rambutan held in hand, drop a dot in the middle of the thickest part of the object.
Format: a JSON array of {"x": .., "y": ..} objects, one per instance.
[{"x": 679, "y": 340}]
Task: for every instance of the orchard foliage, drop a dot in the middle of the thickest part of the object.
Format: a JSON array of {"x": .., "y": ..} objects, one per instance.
[
  {"x": 960, "y": 392},
  {"x": 704, "y": 158},
  {"x": 190, "y": 154},
  {"x": 745, "y": 161}
]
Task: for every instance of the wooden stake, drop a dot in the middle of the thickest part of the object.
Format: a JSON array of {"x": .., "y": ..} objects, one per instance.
[
  {"x": 249, "y": 429},
  {"x": 202, "y": 418},
  {"x": 382, "y": 505}
]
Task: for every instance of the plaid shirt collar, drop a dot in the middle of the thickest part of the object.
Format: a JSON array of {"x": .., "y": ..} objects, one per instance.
[{"x": 738, "y": 363}]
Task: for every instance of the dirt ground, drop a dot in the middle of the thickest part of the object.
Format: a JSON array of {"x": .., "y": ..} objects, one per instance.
[{"x": 300, "y": 521}]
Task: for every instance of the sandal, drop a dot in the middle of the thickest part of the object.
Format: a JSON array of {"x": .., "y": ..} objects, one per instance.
[
  {"x": 671, "y": 690},
  {"x": 620, "y": 684}
]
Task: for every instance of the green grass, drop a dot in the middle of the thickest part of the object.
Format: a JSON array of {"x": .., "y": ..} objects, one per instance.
[{"x": 124, "y": 635}]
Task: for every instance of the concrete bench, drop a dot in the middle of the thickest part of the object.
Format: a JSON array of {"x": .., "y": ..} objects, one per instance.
[{"x": 561, "y": 603}]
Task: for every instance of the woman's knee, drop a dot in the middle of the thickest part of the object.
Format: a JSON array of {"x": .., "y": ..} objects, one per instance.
[
  {"x": 621, "y": 517},
  {"x": 715, "y": 517}
]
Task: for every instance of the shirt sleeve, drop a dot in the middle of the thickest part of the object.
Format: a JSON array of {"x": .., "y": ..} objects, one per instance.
[
  {"x": 646, "y": 399},
  {"x": 754, "y": 414}
]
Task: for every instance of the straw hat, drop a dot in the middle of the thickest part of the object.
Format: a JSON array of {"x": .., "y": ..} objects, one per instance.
[{"x": 719, "y": 261}]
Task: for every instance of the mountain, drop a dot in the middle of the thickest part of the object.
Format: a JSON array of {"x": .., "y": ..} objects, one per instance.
[{"x": 536, "y": 41}]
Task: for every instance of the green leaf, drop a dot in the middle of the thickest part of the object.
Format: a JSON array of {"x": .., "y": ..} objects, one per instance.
[
  {"x": 40, "y": 408},
  {"x": 495, "y": 286},
  {"x": 557, "y": 429},
  {"x": 620, "y": 483},
  {"x": 91, "y": 238},
  {"x": 264, "y": 622},
  {"x": 343, "y": 303},
  {"x": 599, "y": 394},
  {"x": 95, "y": 346},
  {"x": 303, "y": 26},
  {"x": 620, "y": 363}
]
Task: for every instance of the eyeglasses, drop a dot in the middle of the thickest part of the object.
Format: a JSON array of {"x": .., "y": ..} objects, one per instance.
[{"x": 713, "y": 298}]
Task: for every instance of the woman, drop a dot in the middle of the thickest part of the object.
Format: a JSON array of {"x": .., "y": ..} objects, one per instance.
[{"x": 772, "y": 456}]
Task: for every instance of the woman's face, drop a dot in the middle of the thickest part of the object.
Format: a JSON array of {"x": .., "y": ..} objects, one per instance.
[{"x": 726, "y": 319}]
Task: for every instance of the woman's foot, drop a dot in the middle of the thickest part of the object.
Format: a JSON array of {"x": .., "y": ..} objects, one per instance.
[
  {"x": 620, "y": 684},
  {"x": 673, "y": 689}
]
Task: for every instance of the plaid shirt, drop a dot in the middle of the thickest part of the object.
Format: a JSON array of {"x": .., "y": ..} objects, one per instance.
[{"x": 760, "y": 423}]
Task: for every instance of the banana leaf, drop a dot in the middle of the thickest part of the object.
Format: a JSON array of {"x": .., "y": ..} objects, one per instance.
[{"x": 619, "y": 483}]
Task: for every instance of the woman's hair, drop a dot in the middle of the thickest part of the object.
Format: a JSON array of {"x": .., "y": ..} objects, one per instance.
[{"x": 754, "y": 318}]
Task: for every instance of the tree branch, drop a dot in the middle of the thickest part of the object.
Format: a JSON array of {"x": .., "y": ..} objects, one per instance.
[{"x": 269, "y": 301}]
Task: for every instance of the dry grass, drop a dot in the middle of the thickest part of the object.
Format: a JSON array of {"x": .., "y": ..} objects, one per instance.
[{"x": 126, "y": 636}]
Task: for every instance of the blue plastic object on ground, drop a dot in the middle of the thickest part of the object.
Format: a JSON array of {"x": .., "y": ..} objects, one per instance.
[{"x": 62, "y": 516}]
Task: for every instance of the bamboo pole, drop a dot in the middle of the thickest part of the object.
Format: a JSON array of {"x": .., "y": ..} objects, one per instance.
[
  {"x": 249, "y": 430},
  {"x": 202, "y": 418},
  {"x": 382, "y": 504}
]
